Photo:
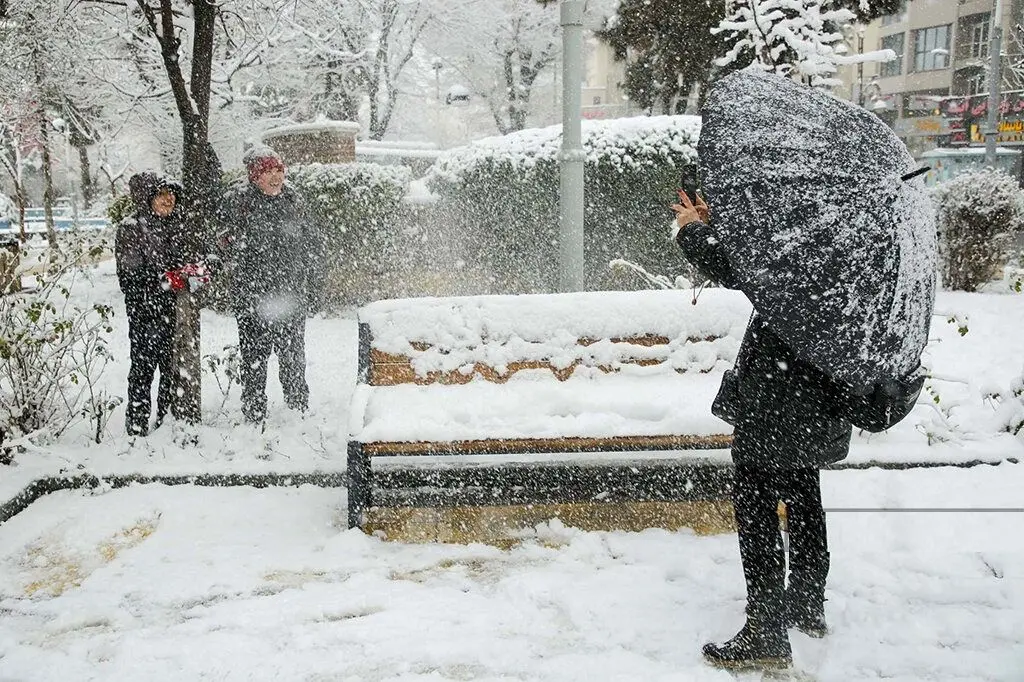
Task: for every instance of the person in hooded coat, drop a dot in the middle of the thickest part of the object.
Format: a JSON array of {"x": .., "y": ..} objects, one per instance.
[
  {"x": 789, "y": 421},
  {"x": 276, "y": 245},
  {"x": 147, "y": 249}
]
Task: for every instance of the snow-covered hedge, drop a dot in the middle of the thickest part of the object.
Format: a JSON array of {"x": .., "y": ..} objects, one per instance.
[
  {"x": 360, "y": 203},
  {"x": 980, "y": 212},
  {"x": 501, "y": 196}
]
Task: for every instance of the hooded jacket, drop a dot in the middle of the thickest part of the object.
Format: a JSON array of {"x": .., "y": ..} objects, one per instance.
[{"x": 147, "y": 246}]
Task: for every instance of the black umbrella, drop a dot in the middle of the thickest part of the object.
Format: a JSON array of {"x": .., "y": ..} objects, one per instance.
[{"x": 831, "y": 244}]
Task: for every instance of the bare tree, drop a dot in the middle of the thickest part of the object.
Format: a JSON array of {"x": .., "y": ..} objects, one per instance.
[{"x": 503, "y": 50}]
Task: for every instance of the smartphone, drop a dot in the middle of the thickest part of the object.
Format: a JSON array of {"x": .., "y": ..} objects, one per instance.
[{"x": 690, "y": 182}]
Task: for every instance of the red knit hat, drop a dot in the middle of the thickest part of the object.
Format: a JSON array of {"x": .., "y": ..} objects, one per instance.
[
  {"x": 260, "y": 165},
  {"x": 260, "y": 161}
]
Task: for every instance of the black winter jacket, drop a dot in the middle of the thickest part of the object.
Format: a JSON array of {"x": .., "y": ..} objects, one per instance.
[
  {"x": 787, "y": 413},
  {"x": 276, "y": 245},
  {"x": 145, "y": 247}
]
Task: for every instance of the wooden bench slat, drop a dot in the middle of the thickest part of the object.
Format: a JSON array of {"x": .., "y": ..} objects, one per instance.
[
  {"x": 506, "y": 446},
  {"x": 395, "y": 370}
]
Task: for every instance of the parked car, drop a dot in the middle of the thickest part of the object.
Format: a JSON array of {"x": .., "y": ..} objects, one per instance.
[{"x": 8, "y": 213}]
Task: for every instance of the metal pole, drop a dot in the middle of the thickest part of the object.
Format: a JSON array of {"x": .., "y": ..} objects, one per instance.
[
  {"x": 860, "y": 67},
  {"x": 570, "y": 242},
  {"x": 71, "y": 177},
  {"x": 995, "y": 75}
]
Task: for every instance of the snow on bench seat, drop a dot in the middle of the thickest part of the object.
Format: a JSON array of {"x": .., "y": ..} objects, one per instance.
[{"x": 534, "y": 404}]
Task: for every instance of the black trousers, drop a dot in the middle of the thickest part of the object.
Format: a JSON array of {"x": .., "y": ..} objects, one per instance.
[
  {"x": 756, "y": 496},
  {"x": 257, "y": 339},
  {"x": 150, "y": 340}
]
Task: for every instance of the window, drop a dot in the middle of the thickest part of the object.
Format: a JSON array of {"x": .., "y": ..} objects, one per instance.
[
  {"x": 931, "y": 48},
  {"x": 897, "y": 18},
  {"x": 975, "y": 85},
  {"x": 974, "y": 36},
  {"x": 895, "y": 67}
]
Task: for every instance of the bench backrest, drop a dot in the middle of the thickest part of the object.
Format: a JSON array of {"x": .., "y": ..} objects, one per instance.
[{"x": 460, "y": 339}]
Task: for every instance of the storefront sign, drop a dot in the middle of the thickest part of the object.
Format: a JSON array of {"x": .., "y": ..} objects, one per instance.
[
  {"x": 1010, "y": 132},
  {"x": 925, "y": 125}
]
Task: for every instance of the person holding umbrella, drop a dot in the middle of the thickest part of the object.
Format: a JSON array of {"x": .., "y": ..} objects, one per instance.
[{"x": 816, "y": 221}]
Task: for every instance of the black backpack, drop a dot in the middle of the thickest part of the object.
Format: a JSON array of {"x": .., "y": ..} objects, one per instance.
[{"x": 886, "y": 403}]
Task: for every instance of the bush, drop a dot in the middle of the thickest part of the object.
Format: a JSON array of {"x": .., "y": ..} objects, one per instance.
[
  {"x": 52, "y": 353},
  {"x": 501, "y": 198},
  {"x": 360, "y": 204},
  {"x": 979, "y": 214},
  {"x": 120, "y": 208}
]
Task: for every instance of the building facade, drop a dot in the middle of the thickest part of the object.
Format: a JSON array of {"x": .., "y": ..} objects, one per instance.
[{"x": 935, "y": 94}]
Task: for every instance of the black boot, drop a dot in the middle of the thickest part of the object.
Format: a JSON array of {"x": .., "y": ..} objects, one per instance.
[
  {"x": 756, "y": 646},
  {"x": 806, "y": 614}
]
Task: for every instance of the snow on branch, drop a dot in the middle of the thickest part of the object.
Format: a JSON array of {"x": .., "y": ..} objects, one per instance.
[{"x": 799, "y": 38}]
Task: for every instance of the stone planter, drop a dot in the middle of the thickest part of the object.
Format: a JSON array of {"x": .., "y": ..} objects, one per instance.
[{"x": 319, "y": 142}]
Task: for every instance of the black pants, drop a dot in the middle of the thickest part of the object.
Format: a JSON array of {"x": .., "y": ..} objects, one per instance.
[
  {"x": 150, "y": 339},
  {"x": 257, "y": 338},
  {"x": 756, "y": 497}
]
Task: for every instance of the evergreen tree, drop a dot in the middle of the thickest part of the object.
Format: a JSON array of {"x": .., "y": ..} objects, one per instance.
[
  {"x": 801, "y": 38},
  {"x": 668, "y": 47}
]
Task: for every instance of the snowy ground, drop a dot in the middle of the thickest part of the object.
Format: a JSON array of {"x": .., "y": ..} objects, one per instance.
[
  {"x": 186, "y": 583},
  {"x": 239, "y": 584}
]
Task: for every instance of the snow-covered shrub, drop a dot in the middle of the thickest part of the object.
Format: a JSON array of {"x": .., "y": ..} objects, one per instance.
[
  {"x": 52, "y": 353},
  {"x": 360, "y": 203},
  {"x": 1015, "y": 413},
  {"x": 120, "y": 208},
  {"x": 500, "y": 195},
  {"x": 226, "y": 370},
  {"x": 979, "y": 213}
]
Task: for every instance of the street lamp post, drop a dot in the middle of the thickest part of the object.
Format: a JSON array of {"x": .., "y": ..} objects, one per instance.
[
  {"x": 64, "y": 129},
  {"x": 994, "y": 78},
  {"x": 437, "y": 66},
  {"x": 570, "y": 233}
]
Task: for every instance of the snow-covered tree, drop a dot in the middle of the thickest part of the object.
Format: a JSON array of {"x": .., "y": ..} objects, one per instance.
[
  {"x": 503, "y": 50},
  {"x": 345, "y": 61},
  {"x": 665, "y": 47},
  {"x": 40, "y": 47},
  {"x": 799, "y": 38}
]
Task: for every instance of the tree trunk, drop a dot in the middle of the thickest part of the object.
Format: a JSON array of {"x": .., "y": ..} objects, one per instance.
[
  {"x": 22, "y": 197},
  {"x": 200, "y": 176},
  {"x": 44, "y": 143},
  {"x": 48, "y": 194},
  {"x": 86, "y": 176},
  {"x": 187, "y": 403}
]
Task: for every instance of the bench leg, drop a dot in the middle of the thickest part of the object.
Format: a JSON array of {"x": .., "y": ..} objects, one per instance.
[{"x": 359, "y": 484}]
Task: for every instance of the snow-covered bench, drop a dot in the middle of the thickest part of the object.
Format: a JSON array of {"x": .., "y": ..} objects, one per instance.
[{"x": 535, "y": 375}]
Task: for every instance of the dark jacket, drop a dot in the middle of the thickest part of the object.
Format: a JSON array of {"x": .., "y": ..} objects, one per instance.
[
  {"x": 276, "y": 247},
  {"x": 146, "y": 246},
  {"x": 787, "y": 413}
]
